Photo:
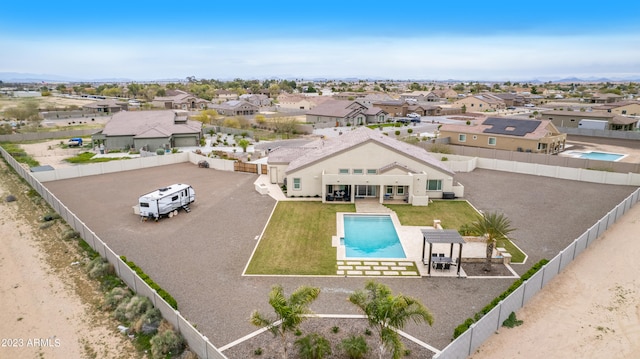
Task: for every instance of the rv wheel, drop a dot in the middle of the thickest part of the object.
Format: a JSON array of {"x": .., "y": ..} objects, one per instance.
[
  {"x": 170, "y": 214},
  {"x": 175, "y": 213}
]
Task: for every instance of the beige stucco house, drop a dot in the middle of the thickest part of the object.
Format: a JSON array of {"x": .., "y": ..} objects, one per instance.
[
  {"x": 344, "y": 113},
  {"x": 236, "y": 108},
  {"x": 150, "y": 130},
  {"x": 572, "y": 119},
  {"x": 180, "y": 100},
  {"x": 359, "y": 164},
  {"x": 301, "y": 102},
  {"x": 510, "y": 134},
  {"x": 629, "y": 108},
  {"x": 481, "y": 103}
]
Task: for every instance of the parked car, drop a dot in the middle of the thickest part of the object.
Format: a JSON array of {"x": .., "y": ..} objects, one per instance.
[
  {"x": 511, "y": 108},
  {"x": 529, "y": 105},
  {"x": 76, "y": 141},
  {"x": 413, "y": 115}
]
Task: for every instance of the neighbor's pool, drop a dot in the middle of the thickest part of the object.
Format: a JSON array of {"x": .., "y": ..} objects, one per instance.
[
  {"x": 602, "y": 156},
  {"x": 371, "y": 236}
]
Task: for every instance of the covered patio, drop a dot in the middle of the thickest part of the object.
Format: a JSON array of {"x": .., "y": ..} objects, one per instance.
[{"x": 440, "y": 260}]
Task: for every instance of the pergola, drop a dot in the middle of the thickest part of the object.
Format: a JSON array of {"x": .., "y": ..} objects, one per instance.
[{"x": 450, "y": 236}]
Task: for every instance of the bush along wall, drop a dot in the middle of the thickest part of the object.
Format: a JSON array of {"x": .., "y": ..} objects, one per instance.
[
  {"x": 161, "y": 292},
  {"x": 467, "y": 323}
]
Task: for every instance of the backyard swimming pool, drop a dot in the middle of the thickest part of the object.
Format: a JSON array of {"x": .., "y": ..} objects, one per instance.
[
  {"x": 371, "y": 236},
  {"x": 602, "y": 156}
]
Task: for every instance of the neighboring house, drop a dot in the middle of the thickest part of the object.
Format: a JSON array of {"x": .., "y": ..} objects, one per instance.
[
  {"x": 150, "y": 130},
  {"x": 361, "y": 163},
  {"x": 346, "y": 96},
  {"x": 371, "y": 98},
  {"x": 395, "y": 108},
  {"x": 510, "y": 134},
  {"x": 604, "y": 98},
  {"x": 630, "y": 108},
  {"x": 511, "y": 99},
  {"x": 226, "y": 95},
  {"x": 258, "y": 99},
  {"x": 180, "y": 100},
  {"x": 419, "y": 96},
  {"x": 106, "y": 106},
  {"x": 301, "y": 102},
  {"x": 446, "y": 94},
  {"x": 236, "y": 108},
  {"x": 572, "y": 119},
  {"x": 481, "y": 103},
  {"x": 345, "y": 113}
]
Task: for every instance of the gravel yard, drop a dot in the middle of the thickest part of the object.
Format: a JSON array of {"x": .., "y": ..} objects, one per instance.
[{"x": 199, "y": 257}]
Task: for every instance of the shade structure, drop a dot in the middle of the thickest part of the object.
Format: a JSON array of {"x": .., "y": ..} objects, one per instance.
[{"x": 447, "y": 236}]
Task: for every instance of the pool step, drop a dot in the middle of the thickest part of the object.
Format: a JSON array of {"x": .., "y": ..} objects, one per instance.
[{"x": 375, "y": 268}]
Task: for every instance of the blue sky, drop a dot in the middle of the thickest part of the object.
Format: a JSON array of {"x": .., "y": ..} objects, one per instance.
[{"x": 483, "y": 40}]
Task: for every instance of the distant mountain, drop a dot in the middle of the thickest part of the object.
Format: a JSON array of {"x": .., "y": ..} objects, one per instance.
[{"x": 27, "y": 78}]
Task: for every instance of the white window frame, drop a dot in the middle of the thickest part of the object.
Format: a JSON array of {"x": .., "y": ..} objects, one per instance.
[
  {"x": 400, "y": 190},
  {"x": 358, "y": 171},
  {"x": 297, "y": 186},
  {"x": 343, "y": 171},
  {"x": 495, "y": 140},
  {"x": 389, "y": 190},
  {"x": 372, "y": 172},
  {"x": 462, "y": 137}
]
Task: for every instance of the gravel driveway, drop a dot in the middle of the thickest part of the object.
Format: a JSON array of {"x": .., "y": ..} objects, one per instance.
[{"x": 199, "y": 257}]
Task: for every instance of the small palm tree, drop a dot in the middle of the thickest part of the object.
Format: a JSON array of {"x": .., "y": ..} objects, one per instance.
[
  {"x": 313, "y": 346},
  {"x": 355, "y": 347},
  {"x": 243, "y": 143},
  {"x": 493, "y": 227},
  {"x": 387, "y": 313},
  {"x": 289, "y": 312}
]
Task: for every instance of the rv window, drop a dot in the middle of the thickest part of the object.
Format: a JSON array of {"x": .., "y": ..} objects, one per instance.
[
  {"x": 174, "y": 198},
  {"x": 144, "y": 204}
]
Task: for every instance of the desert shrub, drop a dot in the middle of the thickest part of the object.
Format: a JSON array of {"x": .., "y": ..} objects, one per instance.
[
  {"x": 46, "y": 225},
  {"x": 511, "y": 321},
  {"x": 70, "y": 234},
  {"x": 148, "y": 322},
  {"x": 410, "y": 130},
  {"x": 166, "y": 343},
  {"x": 50, "y": 217},
  {"x": 114, "y": 297},
  {"x": 99, "y": 267},
  {"x": 354, "y": 346},
  {"x": 313, "y": 346},
  {"x": 440, "y": 148},
  {"x": 335, "y": 329},
  {"x": 258, "y": 351},
  {"x": 159, "y": 152},
  {"x": 130, "y": 310}
]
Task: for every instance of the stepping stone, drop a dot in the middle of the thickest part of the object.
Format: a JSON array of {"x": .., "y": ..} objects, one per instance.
[
  {"x": 372, "y": 272},
  {"x": 410, "y": 273},
  {"x": 388, "y": 263},
  {"x": 391, "y": 272},
  {"x": 370, "y": 263},
  {"x": 363, "y": 267},
  {"x": 381, "y": 268},
  {"x": 345, "y": 267},
  {"x": 354, "y": 263},
  {"x": 398, "y": 268},
  {"x": 340, "y": 272},
  {"x": 354, "y": 272},
  {"x": 406, "y": 264}
]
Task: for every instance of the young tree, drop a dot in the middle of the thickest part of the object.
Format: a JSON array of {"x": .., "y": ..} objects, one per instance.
[
  {"x": 289, "y": 312},
  {"x": 494, "y": 227},
  {"x": 243, "y": 143},
  {"x": 387, "y": 313}
]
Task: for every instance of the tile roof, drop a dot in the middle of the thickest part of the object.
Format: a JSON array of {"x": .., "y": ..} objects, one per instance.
[
  {"x": 140, "y": 123},
  {"x": 360, "y": 135}
]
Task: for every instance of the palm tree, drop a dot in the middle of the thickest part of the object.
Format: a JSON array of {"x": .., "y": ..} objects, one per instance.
[
  {"x": 289, "y": 312},
  {"x": 493, "y": 227},
  {"x": 387, "y": 313}
]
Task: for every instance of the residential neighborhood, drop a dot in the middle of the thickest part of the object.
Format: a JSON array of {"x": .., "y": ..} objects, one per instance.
[{"x": 217, "y": 180}]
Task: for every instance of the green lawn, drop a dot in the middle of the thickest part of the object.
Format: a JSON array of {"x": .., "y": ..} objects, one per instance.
[
  {"x": 298, "y": 240},
  {"x": 87, "y": 157},
  {"x": 452, "y": 214}
]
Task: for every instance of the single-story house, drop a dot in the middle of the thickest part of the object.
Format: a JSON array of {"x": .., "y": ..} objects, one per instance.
[
  {"x": 510, "y": 134},
  {"x": 362, "y": 163},
  {"x": 630, "y": 108},
  {"x": 572, "y": 119},
  {"x": 345, "y": 113},
  {"x": 256, "y": 99},
  {"x": 149, "y": 130},
  {"x": 481, "y": 103},
  {"x": 300, "y": 101},
  {"x": 180, "y": 100},
  {"x": 236, "y": 108},
  {"x": 106, "y": 106},
  {"x": 446, "y": 94},
  {"x": 604, "y": 98}
]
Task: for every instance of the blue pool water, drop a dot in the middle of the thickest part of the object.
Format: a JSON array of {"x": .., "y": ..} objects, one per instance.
[
  {"x": 371, "y": 237},
  {"x": 602, "y": 156}
]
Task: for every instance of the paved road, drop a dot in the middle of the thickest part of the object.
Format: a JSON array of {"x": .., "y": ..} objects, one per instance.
[{"x": 199, "y": 257}]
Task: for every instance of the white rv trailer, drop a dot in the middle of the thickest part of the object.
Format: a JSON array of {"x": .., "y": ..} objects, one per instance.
[{"x": 166, "y": 201}]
